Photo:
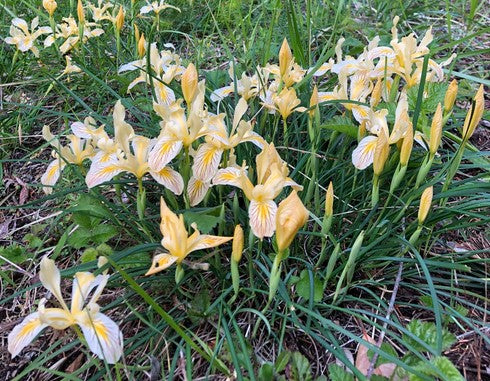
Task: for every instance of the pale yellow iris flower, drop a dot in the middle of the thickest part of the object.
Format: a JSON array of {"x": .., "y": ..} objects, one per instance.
[
  {"x": 156, "y": 7},
  {"x": 272, "y": 178},
  {"x": 75, "y": 152},
  {"x": 102, "y": 334},
  {"x": 178, "y": 242},
  {"x": 133, "y": 158},
  {"x": 23, "y": 38}
]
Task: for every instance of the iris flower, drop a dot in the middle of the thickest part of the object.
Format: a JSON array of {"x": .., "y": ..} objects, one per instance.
[
  {"x": 178, "y": 242},
  {"x": 102, "y": 334},
  {"x": 23, "y": 38}
]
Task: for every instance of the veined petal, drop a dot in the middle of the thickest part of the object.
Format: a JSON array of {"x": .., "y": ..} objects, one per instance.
[
  {"x": 204, "y": 241},
  {"x": 165, "y": 95},
  {"x": 206, "y": 161},
  {"x": 81, "y": 130},
  {"x": 101, "y": 172},
  {"x": 130, "y": 66},
  {"x": 83, "y": 284},
  {"x": 363, "y": 155},
  {"x": 50, "y": 278},
  {"x": 262, "y": 218},
  {"x": 23, "y": 333},
  {"x": 219, "y": 94},
  {"x": 161, "y": 262},
  {"x": 169, "y": 179},
  {"x": 196, "y": 190},
  {"x": 229, "y": 176},
  {"x": 21, "y": 24},
  {"x": 52, "y": 174},
  {"x": 164, "y": 150},
  {"x": 103, "y": 336}
]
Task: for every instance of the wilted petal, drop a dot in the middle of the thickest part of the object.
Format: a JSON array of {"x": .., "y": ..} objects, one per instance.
[{"x": 23, "y": 333}]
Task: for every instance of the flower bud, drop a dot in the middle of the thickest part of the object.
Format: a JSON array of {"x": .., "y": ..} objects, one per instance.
[
  {"x": 474, "y": 114},
  {"x": 136, "y": 32},
  {"x": 381, "y": 152},
  {"x": 285, "y": 57},
  {"x": 329, "y": 201},
  {"x": 450, "y": 97},
  {"x": 313, "y": 101},
  {"x": 436, "y": 131},
  {"x": 425, "y": 201},
  {"x": 189, "y": 83},
  {"x": 142, "y": 46},
  {"x": 80, "y": 12},
  {"x": 50, "y": 6},
  {"x": 407, "y": 145},
  {"x": 237, "y": 245},
  {"x": 376, "y": 94},
  {"x": 291, "y": 216},
  {"x": 120, "y": 19}
]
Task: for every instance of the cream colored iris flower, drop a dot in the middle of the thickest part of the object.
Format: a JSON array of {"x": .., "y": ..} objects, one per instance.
[
  {"x": 376, "y": 123},
  {"x": 129, "y": 153},
  {"x": 101, "y": 11},
  {"x": 272, "y": 177},
  {"x": 218, "y": 140},
  {"x": 75, "y": 152},
  {"x": 69, "y": 31},
  {"x": 286, "y": 102},
  {"x": 247, "y": 86},
  {"x": 70, "y": 68},
  {"x": 165, "y": 65},
  {"x": 156, "y": 7},
  {"x": 102, "y": 334},
  {"x": 178, "y": 242},
  {"x": 178, "y": 130},
  {"x": 23, "y": 38}
]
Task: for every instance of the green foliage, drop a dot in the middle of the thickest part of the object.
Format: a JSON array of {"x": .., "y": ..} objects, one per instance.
[
  {"x": 445, "y": 370},
  {"x": 14, "y": 253},
  {"x": 427, "y": 333}
]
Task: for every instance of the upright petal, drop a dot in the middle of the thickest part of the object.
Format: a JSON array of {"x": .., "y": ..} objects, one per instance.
[
  {"x": 23, "y": 333},
  {"x": 50, "y": 278},
  {"x": 103, "y": 336},
  {"x": 262, "y": 218},
  {"x": 83, "y": 284}
]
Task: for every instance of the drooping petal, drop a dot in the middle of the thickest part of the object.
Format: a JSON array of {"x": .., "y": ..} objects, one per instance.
[
  {"x": 206, "y": 161},
  {"x": 196, "y": 190},
  {"x": 229, "y": 176},
  {"x": 169, "y": 179},
  {"x": 52, "y": 174},
  {"x": 219, "y": 94},
  {"x": 23, "y": 333},
  {"x": 363, "y": 155},
  {"x": 164, "y": 150},
  {"x": 204, "y": 241},
  {"x": 57, "y": 318},
  {"x": 262, "y": 216},
  {"x": 161, "y": 262},
  {"x": 50, "y": 278},
  {"x": 103, "y": 336},
  {"x": 101, "y": 172}
]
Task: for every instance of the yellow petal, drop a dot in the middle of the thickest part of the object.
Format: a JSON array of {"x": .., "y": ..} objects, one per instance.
[
  {"x": 24, "y": 333},
  {"x": 170, "y": 179},
  {"x": 196, "y": 190},
  {"x": 165, "y": 149},
  {"x": 262, "y": 217},
  {"x": 363, "y": 155},
  {"x": 206, "y": 161},
  {"x": 161, "y": 262}
]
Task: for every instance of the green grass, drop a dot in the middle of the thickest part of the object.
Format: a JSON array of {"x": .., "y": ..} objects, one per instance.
[{"x": 193, "y": 329}]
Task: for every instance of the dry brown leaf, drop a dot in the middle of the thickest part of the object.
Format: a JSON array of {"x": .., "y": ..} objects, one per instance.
[{"x": 363, "y": 362}]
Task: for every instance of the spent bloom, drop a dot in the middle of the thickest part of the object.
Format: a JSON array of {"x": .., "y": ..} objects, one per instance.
[{"x": 102, "y": 334}]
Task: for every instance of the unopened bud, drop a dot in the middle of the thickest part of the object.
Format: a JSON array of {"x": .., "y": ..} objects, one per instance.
[
  {"x": 436, "y": 131},
  {"x": 189, "y": 83},
  {"x": 329, "y": 201},
  {"x": 142, "y": 46},
  {"x": 450, "y": 97},
  {"x": 313, "y": 101},
  {"x": 285, "y": 57},
  {"x": 474, "y": 114},
  {"x": 407, "y": 145},
  {"x": 80, "y": 12},
  {"x": 50, "y": 6},
  {"x": 237, "y": 245},
  {"x": 425, "y": 202},
  {"x": 120, "y": 19}
]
